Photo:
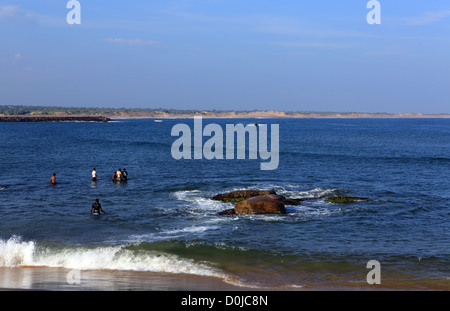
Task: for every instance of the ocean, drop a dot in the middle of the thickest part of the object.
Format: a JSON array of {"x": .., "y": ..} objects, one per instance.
[{"x": 162, "y": 223}]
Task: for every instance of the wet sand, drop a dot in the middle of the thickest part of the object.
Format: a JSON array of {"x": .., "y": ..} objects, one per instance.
[{"x": 59, "y": 279}]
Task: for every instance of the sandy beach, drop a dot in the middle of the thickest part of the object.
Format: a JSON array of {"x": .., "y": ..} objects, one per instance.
[
  {"x": 59, "y": 279},
  {"x": 56, "y": 279}
]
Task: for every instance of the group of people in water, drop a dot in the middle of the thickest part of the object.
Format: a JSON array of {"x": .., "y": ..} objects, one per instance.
[
  {"x": 96, "y": 208},
  {"x": 119, "y": 175}
]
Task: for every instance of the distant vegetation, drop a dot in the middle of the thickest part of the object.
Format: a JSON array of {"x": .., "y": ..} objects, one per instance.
[
  {"x": 53, "y": 110},
  {"x": 110, "y": 112}
]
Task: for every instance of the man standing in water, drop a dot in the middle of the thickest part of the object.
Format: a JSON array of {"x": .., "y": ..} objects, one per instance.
[
  {"x": 97, "y": 208},
  {"x": 94, "y": 175},
  {"x": 53, "y": 179},
  {"x": 125, "y": 174},
  {"x": 119, "y": 175}
]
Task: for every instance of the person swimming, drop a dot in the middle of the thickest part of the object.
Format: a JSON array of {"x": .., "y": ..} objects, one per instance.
[
  {"x": 125, "y": 174},
  {"x": 94, "y": 175},
  {"x": 53, "y": 179},
  {"x": 96, "y": 208}
]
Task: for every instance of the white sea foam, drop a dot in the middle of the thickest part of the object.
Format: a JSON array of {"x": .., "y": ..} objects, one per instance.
[
  {"x": 199, "y": 200},
  {"x": 174, "y": 233},
  {"x": 293, "y": 191},
  {"x": 308, "y": 194},
  {"x": 14, "y": 252},
  {"x": 191, "y": 229},
  {"x": 186, "y": 195}
]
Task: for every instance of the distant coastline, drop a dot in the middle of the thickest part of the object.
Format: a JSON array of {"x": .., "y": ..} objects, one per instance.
[
  {"x": 43, "y": 113},
  {"x": 54, "y": 119}
]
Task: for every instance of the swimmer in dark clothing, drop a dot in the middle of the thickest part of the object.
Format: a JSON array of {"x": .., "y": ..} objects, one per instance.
[
  {"x": 97, "y": 208},
  {"x": 125, "y": 174}
]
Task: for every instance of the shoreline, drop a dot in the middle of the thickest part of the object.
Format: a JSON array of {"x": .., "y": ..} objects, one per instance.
[{"x": 56, "y": 279}]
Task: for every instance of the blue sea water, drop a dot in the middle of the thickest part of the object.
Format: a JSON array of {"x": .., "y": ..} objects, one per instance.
[{"x": 163, "y": 220}]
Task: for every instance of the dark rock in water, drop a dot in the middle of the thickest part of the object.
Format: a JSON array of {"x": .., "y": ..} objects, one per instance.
[
  {"x": 344, "y": 199},
  {"x": 227, "y": 212},
  {"x": 255, "y": 202},
  {"x": 284, "y": 199},
  {"x": 260, "y": 205},
  {"x": 292, "y": 201},
  {"x": 266, "y": 202},
  {"x": 240, "y": 195},
  {"x": 275, "y": 197}
]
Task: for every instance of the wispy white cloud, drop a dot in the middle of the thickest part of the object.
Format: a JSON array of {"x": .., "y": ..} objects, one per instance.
[
  {"x": 388, "y": 51},
  {"x": 305, "y": 44},
  {"x": 8, "y": 11},
  {"x": 131, "y": 42},
  {"x": 16, "y": 58},
  {"x": 267, "y": 24},
  {"x": 289, "y": 26},
  {"x": 428, "y": 18},
  {"x": 14, "y": 14}
]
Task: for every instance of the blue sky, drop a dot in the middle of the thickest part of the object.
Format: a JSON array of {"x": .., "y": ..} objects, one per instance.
[{"x": 229, "y": 55}]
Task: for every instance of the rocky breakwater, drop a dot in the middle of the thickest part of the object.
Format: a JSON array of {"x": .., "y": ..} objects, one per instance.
[
  {"x": 255, "y": 202},
  {"x": 54, "y": 119},
  {"x": 268, "y": 201}
]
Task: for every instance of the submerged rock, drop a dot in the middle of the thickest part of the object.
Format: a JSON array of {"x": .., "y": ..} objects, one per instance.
[
  {"x": 344, "y": 199},
  {"x": 228, "y": 212}
]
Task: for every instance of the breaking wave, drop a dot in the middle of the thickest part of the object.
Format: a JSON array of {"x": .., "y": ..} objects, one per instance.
[{"x": 18, "y": 253}]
